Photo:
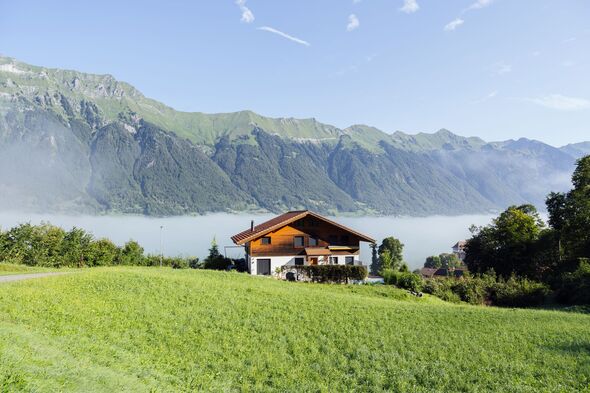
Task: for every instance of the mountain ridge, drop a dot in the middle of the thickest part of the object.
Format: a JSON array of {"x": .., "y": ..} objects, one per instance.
[{"x": 136, "y": 155}]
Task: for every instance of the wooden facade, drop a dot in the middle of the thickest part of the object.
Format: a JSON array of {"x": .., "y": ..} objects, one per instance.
[
  {"x": 299, "y": 237},
  {"x": 314, "y": 233}
]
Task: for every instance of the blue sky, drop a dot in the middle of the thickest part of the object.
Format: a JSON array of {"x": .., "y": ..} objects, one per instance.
[{"x": 496, "y": 69}]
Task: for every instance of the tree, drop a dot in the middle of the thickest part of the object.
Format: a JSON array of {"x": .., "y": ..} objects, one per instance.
[
  {"x": 508, "y": 244},
  {"x": 433, "y": 262},
  {"x": 449, "y": 260},
  {"x": 375, "y": 264},
  {"x": 132, "y": 254},
  {"x": 569, "y": 214},
  {"x": 104, "y": 253},
  {"x": 76, "y": 247},
  {"x": 391, "y": 253},
  {"x": 215, "y": 260}
]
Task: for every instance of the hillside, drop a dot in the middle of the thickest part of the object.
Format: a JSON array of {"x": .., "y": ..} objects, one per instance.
[
  {"x": 77, "y": 142},
  {"x": 150, "y": 329}
]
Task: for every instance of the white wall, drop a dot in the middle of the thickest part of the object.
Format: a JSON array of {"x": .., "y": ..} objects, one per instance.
[{"x": 276, "y": 262}]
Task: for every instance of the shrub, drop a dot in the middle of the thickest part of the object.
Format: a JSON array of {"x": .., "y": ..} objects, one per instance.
[
  {"x": 402, "y": 279},
  {"x": 194, "y": 263},
  {"x": 574, "y": 287},
  {"x": 330, "y": 273},
  {"x": 519, "y": 293},
  {"x": 179, "y": 263},
  {"x": 217, "y": 263},
  {"x": 470, "y": 290}
]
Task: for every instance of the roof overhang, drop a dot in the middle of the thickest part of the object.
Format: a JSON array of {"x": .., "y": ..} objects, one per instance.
[
  {"x": 290, "y": 217},
  {"x": 317, "y": 251}
]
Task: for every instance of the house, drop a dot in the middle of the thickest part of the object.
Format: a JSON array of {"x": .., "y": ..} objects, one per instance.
[
  {"x": 459, "y": 250},
  {"x": 299, "y": 238}
]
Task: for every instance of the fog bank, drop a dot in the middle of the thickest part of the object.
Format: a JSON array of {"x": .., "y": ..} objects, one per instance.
[{"x": 191, "y": 236}]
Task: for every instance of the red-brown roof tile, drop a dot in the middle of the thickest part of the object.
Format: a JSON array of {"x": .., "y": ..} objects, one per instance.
[{"x": 285, "y": 219}]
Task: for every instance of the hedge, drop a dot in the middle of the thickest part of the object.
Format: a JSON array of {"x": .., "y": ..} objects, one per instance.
[{"x": 330, "y": 273}]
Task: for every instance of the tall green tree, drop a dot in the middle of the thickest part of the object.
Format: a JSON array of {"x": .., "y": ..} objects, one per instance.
[
  {"x": 507, "y": 245},
  {"x": 391, "y": 253},
  {"x": 569, "y": 214}
]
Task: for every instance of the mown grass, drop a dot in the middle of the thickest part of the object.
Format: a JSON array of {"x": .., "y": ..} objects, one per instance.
[
  {"x": 10, "y": 268},
  {"x": 150, "y": 329}
]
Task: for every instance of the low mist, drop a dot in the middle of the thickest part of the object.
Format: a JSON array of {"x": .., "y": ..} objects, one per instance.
[{"x": 192, "y": 235}]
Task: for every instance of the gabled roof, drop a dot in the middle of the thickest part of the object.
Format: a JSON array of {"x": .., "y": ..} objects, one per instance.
[{"x": 285, "y": 219}]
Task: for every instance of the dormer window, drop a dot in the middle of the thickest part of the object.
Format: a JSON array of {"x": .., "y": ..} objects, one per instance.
[
  {"x": 313, "y": 242},
  {"x": 265, "y": 240}
]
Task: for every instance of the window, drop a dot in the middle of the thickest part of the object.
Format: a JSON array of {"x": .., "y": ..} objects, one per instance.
[
  {"x": 349, "y": 260},
  {"x": 313, "y": 242},
  {"x": 298, "y": 241},
  {"x": 333, "y": 260},
  {"x": 299, "y": 261},
  {"x": 265, "y": 240}
]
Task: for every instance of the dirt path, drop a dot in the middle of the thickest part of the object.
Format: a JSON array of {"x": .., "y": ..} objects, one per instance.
[{"x": 26, "y": 276}]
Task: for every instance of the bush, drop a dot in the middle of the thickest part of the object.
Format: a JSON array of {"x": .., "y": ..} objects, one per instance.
[
  {"x": 574, "y": 287},
  {"x": 403, "y": 279},
  {"x": 487, "y": 289},
  {"x": 194, "y": 263},
  {"x": 470, "y": 290},
  {"x": 519, "y": 293},
  {"x": 179, "y": 263},
  {"x": 218, "y": 263},
  {"x": 331, "y": 273}
]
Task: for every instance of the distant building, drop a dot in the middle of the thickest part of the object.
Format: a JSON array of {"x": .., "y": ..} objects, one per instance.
[{"x": 459, "y": 250}]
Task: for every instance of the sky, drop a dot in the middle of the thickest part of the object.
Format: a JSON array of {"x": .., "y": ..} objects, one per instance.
[{"x": 497, "y": 69}]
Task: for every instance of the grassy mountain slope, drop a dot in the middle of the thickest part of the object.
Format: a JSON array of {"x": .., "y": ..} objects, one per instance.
[
  {"x": 47, "y": 86},
  {"x": 150, "y": 329}
]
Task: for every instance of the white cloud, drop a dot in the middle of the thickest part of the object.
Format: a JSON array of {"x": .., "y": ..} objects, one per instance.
[
  {"x": 454, "y": 24},
  {"x": 284, "y": 35},
  {"x": 501, "y": 68},
  {"x": 353, "y": 23},
  {"x": 561, "y": 102},
  {"x": 247, "y": 15},
  {"x": 410, "y": 6},
  {"x": 480, "y": 4},
  {"x": 487, "y": 97}
]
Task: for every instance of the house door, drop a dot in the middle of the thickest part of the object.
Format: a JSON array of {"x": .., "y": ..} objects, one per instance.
[
  {"x": 313, "y": 260},
  {"x": 263, "y": 267}
]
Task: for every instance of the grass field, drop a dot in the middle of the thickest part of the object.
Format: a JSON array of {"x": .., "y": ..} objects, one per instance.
[
  {"x": 9, "y": 268},
  {"x": 150, "y": 329}
]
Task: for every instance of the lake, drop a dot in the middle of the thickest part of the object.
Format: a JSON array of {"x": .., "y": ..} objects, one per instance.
[{"x": 192, "y": 235}]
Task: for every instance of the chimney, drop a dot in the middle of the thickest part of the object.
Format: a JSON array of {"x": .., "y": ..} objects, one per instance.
[{"x": 252, "y": 225}]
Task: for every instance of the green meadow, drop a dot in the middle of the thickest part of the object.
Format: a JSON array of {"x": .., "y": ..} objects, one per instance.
[{"x": 151, "y": 330}]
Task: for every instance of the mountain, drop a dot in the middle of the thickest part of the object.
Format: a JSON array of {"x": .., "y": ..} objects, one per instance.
[
  {"x": 577, "y": 149},
  {"x": 77, "y": 142}
]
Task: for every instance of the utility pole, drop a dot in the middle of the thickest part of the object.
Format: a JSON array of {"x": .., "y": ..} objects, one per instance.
[{"x": 161, "y": 244}]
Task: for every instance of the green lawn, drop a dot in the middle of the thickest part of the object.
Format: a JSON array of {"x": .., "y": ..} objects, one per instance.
[
  {"x": 9, "y": 268},
  {"x": 151, "y": 329}
]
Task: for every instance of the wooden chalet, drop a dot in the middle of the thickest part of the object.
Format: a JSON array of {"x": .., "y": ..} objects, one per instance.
[{"x": 299, "y": 238}]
